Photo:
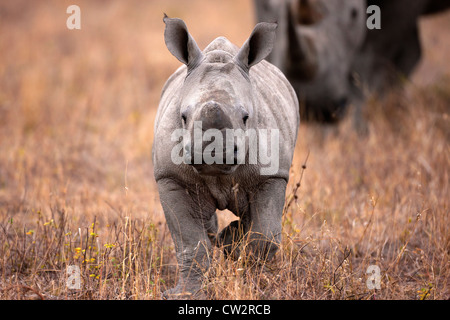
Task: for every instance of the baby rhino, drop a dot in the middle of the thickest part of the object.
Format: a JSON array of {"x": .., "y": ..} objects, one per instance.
[{"x": 224, "y": 138}]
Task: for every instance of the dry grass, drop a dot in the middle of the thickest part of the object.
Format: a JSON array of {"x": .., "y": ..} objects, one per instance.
[{"x": 76, "y": 184}]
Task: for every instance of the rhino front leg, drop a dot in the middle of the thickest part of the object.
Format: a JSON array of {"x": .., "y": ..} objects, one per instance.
[
  {"x": 266, "y": 210},
  {"x": 189, "y": 220}
]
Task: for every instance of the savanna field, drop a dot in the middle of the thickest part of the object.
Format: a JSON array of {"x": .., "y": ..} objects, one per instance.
[{"x": 77, "y": 109}]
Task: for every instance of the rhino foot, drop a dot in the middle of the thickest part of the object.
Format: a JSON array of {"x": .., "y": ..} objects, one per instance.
[{"x": 186, "y": 292}]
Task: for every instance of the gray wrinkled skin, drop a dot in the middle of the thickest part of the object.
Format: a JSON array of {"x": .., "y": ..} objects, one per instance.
[
  {"x": 333, "y": 60},
  {"x": 223, "y": 86}
]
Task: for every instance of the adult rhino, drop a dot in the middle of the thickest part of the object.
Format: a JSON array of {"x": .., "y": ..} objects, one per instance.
[
  {"x": 223, "y": 89},
  {"x": 330, "y": 56}
]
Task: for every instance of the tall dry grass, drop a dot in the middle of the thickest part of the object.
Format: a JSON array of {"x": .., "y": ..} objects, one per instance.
[{"x": 76, "y": 184}]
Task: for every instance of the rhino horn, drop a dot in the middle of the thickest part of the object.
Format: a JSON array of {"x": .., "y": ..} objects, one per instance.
[
  {"x": 180, "y": 43},
  {"x": 307, "y": 12},
  {"x": 302, "y": 51},
  {"x": 258, "y": 46}
]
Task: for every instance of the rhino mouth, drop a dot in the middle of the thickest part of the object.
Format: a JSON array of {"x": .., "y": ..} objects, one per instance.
[
  {"x": 214, "y": 169},
  {"x": 222, "y": 168}
]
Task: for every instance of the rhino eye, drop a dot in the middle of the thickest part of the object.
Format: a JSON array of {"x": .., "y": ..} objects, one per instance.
[
  {"x": 183, "y": 117},
  {"x": 354, "y": 13},
  {"x": 245, "y": 118}
]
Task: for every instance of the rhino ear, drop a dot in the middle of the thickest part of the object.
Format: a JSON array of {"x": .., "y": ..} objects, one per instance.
[
  {"x": 180, "y": 43},
  {"x": 258, "y": 45}
]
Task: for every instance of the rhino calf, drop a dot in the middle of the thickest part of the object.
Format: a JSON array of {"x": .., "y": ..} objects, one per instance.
[{"x": 219, "y": 93}]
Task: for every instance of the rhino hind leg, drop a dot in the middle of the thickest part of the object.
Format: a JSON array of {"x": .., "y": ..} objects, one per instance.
[
  {"x": 408, "y": 55},
  {"x": 212, "y": 227},
  {"x": 230, "y": 238}
]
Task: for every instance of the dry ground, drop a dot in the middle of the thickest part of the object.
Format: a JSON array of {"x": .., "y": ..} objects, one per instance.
[{"x": 76, "y": 183}]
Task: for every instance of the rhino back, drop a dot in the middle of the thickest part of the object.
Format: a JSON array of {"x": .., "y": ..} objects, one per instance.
[{"x": 277, "y": 103}]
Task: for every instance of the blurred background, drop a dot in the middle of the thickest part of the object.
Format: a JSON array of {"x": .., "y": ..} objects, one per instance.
[
  {"x": 76, "y": 128},
  {"x": 77, "y": 105}
]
